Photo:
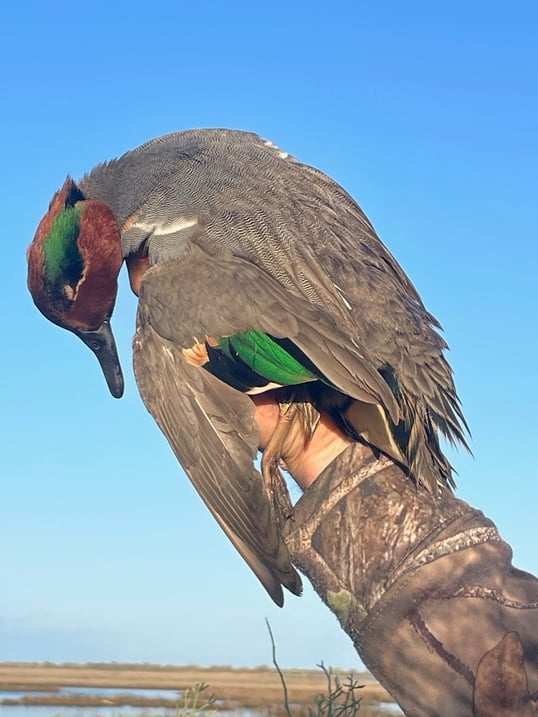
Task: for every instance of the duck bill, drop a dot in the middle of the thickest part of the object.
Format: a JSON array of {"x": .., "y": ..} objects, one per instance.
[{"x": 101, "y": 342}]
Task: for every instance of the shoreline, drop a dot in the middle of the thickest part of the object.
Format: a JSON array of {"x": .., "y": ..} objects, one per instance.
[{"x": 232, "y": 687}]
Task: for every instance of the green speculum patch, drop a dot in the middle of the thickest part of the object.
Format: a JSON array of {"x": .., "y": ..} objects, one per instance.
[
  {"x": 63, "y": 262},
  {"x": 267, "y": 357}
]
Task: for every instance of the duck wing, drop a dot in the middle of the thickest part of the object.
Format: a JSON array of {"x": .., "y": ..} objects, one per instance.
[{"x": 209, "y": 425}]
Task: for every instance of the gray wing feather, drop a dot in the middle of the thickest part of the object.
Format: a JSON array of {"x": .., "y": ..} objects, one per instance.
[{"x": 211, "y": 429}]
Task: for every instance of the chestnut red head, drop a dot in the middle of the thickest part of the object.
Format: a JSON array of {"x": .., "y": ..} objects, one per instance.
[{"x": 73, "y": 266}]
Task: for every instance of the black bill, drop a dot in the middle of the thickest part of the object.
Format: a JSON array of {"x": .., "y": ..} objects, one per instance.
[{"x": 102, "y": 343}]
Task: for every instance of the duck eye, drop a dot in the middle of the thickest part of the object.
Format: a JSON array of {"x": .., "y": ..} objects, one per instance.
[{"x": 73, "y": 196}]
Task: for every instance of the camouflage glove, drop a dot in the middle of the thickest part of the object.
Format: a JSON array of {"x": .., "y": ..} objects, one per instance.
[{"x": 424, "y": 587}]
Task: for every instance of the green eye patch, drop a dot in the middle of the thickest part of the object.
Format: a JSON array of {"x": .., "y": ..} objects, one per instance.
[{"x": 63, "y": 263}]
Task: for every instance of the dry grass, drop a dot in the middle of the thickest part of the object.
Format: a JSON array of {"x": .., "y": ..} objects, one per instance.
[{"x": 259, "y": 687}]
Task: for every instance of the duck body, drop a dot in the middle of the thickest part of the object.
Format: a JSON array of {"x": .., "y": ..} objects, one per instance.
[{"x": 255, "y": 271}]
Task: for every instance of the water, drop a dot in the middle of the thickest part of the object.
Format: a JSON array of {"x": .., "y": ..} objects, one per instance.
[
  {"x": 390, "y": 708},
  {"x": 106, "y": 693},
  {"x": 110, "y": 692},
  {"x": 105, "y": 710}
]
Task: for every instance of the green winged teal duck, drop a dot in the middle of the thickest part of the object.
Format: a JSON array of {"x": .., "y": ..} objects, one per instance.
[{"x": 254, "y": 272}]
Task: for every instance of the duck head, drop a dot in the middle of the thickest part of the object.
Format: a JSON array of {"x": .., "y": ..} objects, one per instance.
[{"x": 73, "y": 266}]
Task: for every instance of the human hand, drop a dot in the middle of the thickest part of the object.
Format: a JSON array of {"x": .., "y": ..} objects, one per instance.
[{"x": 302, "y": 456}]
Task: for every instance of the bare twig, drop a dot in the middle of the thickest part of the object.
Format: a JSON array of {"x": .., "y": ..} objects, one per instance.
[{"x": 275, "y": 663}]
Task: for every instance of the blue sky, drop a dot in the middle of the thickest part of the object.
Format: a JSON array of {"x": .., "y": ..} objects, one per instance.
[{"x": 427, "y": 114}]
